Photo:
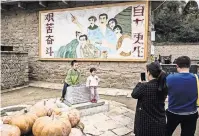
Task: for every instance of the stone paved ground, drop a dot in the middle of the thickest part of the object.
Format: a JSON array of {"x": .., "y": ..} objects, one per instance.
[
  {"x": 30, "y": 95},
  {"x": 117, "y": 122}
]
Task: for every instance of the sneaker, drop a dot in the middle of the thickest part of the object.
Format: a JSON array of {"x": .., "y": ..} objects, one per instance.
[
  {"x": 95, "y": 101},
  {"x": 92, "y": 101}
]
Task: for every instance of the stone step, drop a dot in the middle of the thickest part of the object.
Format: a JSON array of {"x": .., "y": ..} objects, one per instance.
[
  {"x": 95, "y": 110},
  {"x": 88, "y": 105}
]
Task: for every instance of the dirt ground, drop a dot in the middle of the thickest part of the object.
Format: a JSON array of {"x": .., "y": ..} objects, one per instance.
[{"x": 31, "y": 95}]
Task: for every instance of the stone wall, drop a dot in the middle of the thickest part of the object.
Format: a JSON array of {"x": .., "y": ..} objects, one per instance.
[
  {"x": 14, "y": 69},
  {"x": 176, "y": 50},
  {"x": 20, "y": 29}
]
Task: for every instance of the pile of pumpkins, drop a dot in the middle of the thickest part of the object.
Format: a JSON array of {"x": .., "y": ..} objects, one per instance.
[{"x": 43, "y": 119}]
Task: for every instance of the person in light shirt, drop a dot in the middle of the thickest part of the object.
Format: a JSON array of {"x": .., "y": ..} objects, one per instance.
[{"x": 92, "y": 83}]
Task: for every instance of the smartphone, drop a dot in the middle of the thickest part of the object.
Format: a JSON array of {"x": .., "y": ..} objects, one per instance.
[{"x": 143, "y": 77}]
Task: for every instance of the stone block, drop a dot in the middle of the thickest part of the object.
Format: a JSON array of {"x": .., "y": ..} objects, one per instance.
[
  {"x": 77, "y": 94},
  {"x": 88, "y": 105},
  {"x": 95, "y": 110}
]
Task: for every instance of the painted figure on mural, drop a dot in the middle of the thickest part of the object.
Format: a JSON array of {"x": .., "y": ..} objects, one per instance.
[
  {"x": 124, "y": 42},
  {"x": 69, "y": 50},
  {"x": 104, "y": 38},
  {"x": 112, "y": 23},
  {"x": 107, "y": 37},
  {"x": 93, "y": 30},
  {"x": 88, "y": 50}
]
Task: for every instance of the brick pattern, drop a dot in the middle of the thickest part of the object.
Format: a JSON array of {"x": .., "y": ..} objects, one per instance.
[
  {"x": 14, "y": 69},
  {"x": 177, "y": 50},
  {"x": 20, "y": 29}
]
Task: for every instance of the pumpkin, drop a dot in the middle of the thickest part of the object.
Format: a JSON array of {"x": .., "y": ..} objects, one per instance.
[
  {"x": 9, "y": 130},
  {"x": 45, "y": 108},
  {"x": 40, "y": 109},
  {"x": 24, "y": 121},
  {"x": 51, "y": 126},
  {"x": 56, "y": 111},
  {"x": 76, "y": 132},
  {"x": 49, "y": 104},
  {"x": 74, "y": 117},
  {"x": 64, "y": 118}
]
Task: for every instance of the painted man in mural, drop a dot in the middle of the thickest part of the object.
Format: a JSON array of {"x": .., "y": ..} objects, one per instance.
[
  {"x": 124, "y": 42},
  {"x": 88, "y": 50},
  {"x": 107, "y": 37},
  {"x": 93, "y": 30},
  {"x": 69, "y": 50},
  {"x": 92, "y": 21}
]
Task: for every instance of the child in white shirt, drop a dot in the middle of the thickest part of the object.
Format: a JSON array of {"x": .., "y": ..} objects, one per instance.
[{"x": 92, "y": 82}]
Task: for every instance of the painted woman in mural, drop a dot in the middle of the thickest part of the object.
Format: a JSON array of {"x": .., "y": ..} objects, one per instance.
[
  {"x": 112, "y": 23},
  {"x": 124, "y": 42}
]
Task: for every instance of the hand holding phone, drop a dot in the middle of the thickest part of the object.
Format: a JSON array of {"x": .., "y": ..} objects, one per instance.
[{"x": 143, "y": 76}]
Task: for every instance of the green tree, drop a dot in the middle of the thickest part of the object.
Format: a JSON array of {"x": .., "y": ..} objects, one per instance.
[{"x": 172, "y": 25}]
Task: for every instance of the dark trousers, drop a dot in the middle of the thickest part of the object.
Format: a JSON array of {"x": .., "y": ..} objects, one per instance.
[
  {"x": 64, "y": 89},
  {"x": 187, "y": 123}
]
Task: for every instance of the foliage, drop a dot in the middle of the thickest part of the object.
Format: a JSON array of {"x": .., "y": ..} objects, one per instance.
[{"x": 173, "y": 25}]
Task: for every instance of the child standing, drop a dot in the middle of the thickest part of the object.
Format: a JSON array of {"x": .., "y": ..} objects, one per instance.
[
  {"x": 72, "y": 78},
  {"x": 92, "y": 82}
]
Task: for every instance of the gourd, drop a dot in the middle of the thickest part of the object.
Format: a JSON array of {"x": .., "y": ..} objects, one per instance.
[{"x": 51, "y": 126}]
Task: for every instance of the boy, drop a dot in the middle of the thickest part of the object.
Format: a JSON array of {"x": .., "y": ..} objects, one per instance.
[
  {"x": 72, "y": 78},
  {"x": 92, "y": 82}
]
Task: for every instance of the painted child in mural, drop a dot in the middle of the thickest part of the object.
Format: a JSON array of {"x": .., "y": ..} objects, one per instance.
[
  {"x": 92, "y": 83},
  {"x": 88, "y": 50},
  {"x": 69, "y": 50},
  {"x": 124, "y": 42},
  {"x": 72, "y": 78}
]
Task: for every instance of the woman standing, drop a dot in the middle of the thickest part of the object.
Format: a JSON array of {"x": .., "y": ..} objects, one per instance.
[{"x": 150, "y": 119}]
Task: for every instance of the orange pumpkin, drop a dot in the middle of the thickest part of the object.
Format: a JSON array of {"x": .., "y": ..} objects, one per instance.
[
  {"x": 74, "y": 117},
  {"x": 75, "y": 132},
  {"x": 51, "y": 126},
  {"x": 24, "y": 121},
  {"x": 64, "y": 118},
  {"x": 40, "y": 109},
  {"x": 9, "y": 130},
  {"x": 45, "y": 108}
]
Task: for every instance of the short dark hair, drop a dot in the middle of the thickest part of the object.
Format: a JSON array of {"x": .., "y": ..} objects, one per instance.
[
  {"x": 118, "y": 26},
  {"x": 113, "y": 19},
  {"x": 93, "y": 69},
  {"x": 83, "y": 36},
  {"x": 73, "y": 62},
  {"x": 183, "y": 62},
  {"x": 104, "y": 14},
  {"x": 92, "y": 17}
]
